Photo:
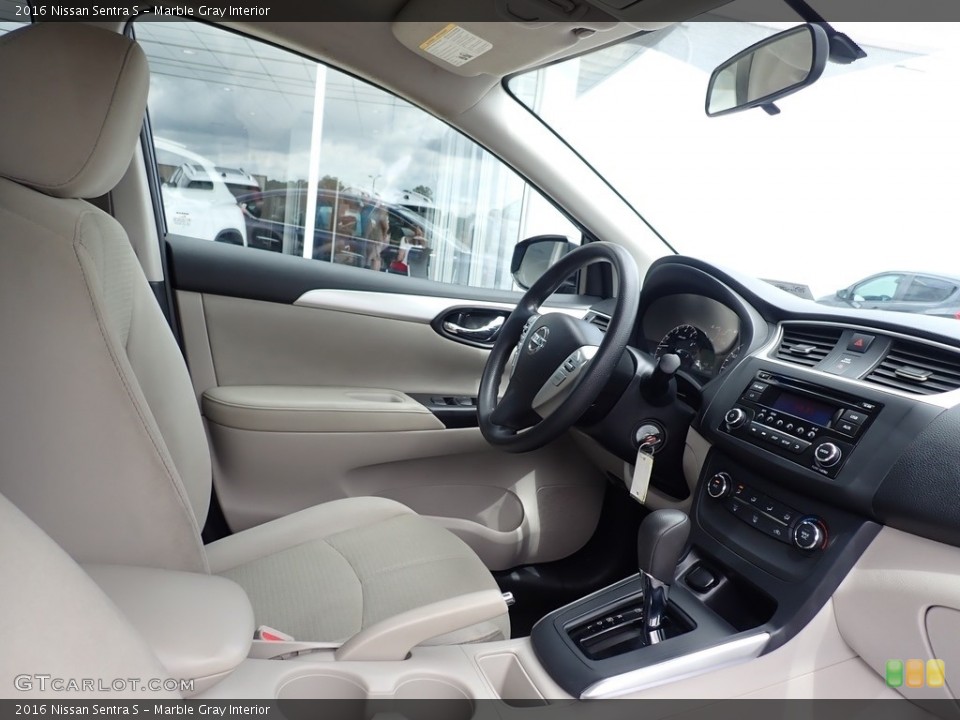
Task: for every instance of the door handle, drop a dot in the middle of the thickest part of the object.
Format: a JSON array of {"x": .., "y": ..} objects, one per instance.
[{"x": 486, "y": 333}]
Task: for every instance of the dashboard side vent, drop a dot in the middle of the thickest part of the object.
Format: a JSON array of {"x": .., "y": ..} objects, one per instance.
[
  {"x": 601, "y": 321},
  {"x": 917, "y": 369},
  {"x": 807, "y": 344}
]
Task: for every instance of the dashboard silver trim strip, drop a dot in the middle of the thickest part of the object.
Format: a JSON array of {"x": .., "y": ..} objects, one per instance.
[
  {"x": 680, "y": 668},
  {"x": 943, "y": 400},
  {"x": 408, "y": 308}
]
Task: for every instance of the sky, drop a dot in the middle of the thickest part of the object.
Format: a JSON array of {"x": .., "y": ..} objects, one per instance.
[{"x": 857, "y": 175}]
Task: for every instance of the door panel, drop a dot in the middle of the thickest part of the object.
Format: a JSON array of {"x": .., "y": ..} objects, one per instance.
[
  {"x": 358, "y": 241},
  {"x": 512, "y": 509},
  {"x": 262, "y": 343},
  {"x": 901, "y": 602}
]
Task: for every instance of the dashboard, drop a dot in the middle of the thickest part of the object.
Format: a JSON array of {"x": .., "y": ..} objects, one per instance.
[{"x": 830, "y": 403}]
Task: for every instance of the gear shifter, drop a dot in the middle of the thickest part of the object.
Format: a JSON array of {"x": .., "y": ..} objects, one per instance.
[{"x": 661, "y": 539}]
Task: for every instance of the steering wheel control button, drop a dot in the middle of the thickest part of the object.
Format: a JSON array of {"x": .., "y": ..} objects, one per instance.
[
  {"x": 827, "y": 454},
  {"x": 810, "y": 534},
  {"x": 860, "y": 343},
  {"x": 735, "y": 418},
  {"x": 720, "y": 485}
]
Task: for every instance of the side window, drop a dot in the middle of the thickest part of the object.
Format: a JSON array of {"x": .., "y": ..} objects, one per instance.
[
  {"x": 879, "y": 289},
  {"x": 265, "y": 149},
  {"x": 928, "y": 290},
  {"x": 13, "y": 15}
]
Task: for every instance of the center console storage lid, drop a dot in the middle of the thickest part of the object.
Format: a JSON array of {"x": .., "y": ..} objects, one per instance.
[{"x": 200, "y": 627}]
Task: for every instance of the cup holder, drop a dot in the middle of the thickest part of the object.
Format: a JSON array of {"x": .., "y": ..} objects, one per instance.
[
  {"x": 418, "y": 698},
  {"x": 426, "y": 699},
  {"x": 344, "y": 698},
  {"x": 322, "y": 687}
]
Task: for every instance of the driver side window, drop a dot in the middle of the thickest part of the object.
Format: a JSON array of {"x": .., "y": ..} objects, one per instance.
[{"x": 882, "y": 288}]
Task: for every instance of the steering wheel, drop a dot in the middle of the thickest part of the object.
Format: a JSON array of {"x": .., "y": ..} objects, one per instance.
[{"x": 561, "y": 363}]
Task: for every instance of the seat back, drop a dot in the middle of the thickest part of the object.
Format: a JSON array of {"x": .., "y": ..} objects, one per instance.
[
  {"x": 59, "y": 624},
  {"x": 101, "y": 441}
]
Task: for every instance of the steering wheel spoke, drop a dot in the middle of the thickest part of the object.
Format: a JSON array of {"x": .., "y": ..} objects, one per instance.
[
  {"x": 514, "y": 410},
  {"x": 557, "y": 364},
  {"x": 563, "y": 380}
]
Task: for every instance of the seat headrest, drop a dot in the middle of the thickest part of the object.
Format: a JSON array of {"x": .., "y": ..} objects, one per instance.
[{"x": 72, "y": 101}]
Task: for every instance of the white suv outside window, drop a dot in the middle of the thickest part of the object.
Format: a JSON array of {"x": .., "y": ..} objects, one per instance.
[{"x": 198, "y": 197}]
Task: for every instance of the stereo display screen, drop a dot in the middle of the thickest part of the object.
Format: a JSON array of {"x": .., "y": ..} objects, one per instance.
[{"x": 804, "y": 408}]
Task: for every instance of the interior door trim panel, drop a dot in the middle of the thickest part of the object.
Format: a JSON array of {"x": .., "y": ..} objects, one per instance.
[{"x": 235, "y": 271}]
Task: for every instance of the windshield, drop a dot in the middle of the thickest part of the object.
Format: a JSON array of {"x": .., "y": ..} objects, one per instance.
[{"x": 852, "y": 187}]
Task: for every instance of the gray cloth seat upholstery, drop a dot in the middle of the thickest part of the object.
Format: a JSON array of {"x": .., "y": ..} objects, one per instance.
[{"x": 102, "y": 443}]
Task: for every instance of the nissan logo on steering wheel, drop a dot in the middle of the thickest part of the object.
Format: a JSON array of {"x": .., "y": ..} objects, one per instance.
[{"x": 538, "y": 340}]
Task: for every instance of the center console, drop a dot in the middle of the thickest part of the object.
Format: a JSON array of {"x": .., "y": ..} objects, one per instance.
[{"x": 780, "y": 515}]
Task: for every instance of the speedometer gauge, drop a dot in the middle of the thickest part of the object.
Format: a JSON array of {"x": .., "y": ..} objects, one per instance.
[{"x": 693, "y": 348}]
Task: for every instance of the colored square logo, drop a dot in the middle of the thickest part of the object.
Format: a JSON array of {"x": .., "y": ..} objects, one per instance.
[
  {"x": 914, "y": 673},
  {"x": 894, "y": 673},
  {"x": 935, "y": 673}
]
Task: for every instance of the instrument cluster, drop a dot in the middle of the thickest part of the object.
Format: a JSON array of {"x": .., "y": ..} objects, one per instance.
[{"x": 702, "y": 332}]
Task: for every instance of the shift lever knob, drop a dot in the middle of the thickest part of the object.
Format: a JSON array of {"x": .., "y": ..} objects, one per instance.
[{"x": 663, "y": 533}]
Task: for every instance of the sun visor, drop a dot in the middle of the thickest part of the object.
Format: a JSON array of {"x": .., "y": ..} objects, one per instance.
[{"x": 489, "y": 47}]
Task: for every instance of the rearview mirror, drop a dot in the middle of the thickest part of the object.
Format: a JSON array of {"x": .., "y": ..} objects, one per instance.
[
  {"x": 771, "y": 69},
  {"x": 532, "y": 257}
]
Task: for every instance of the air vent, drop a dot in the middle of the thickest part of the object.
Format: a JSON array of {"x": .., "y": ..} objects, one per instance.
[
  {"x": 807, "y": 344},
  {"x": 601, "y": 321},
  {"x": 918, "y": 369}
]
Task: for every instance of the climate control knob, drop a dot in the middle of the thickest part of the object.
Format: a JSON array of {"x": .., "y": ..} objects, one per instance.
[
  {"x": 810, "y": 534},
  {"x": 735, "y": 417},
  {"x": 827, "y": 455},
  {"x": 719, "y": 485}
]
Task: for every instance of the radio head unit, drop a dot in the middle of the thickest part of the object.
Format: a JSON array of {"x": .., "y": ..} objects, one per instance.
[{"x": 808, "y": 424}]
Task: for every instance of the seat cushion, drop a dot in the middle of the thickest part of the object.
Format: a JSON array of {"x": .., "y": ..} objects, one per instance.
[{"x": 327, "y": 572}]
